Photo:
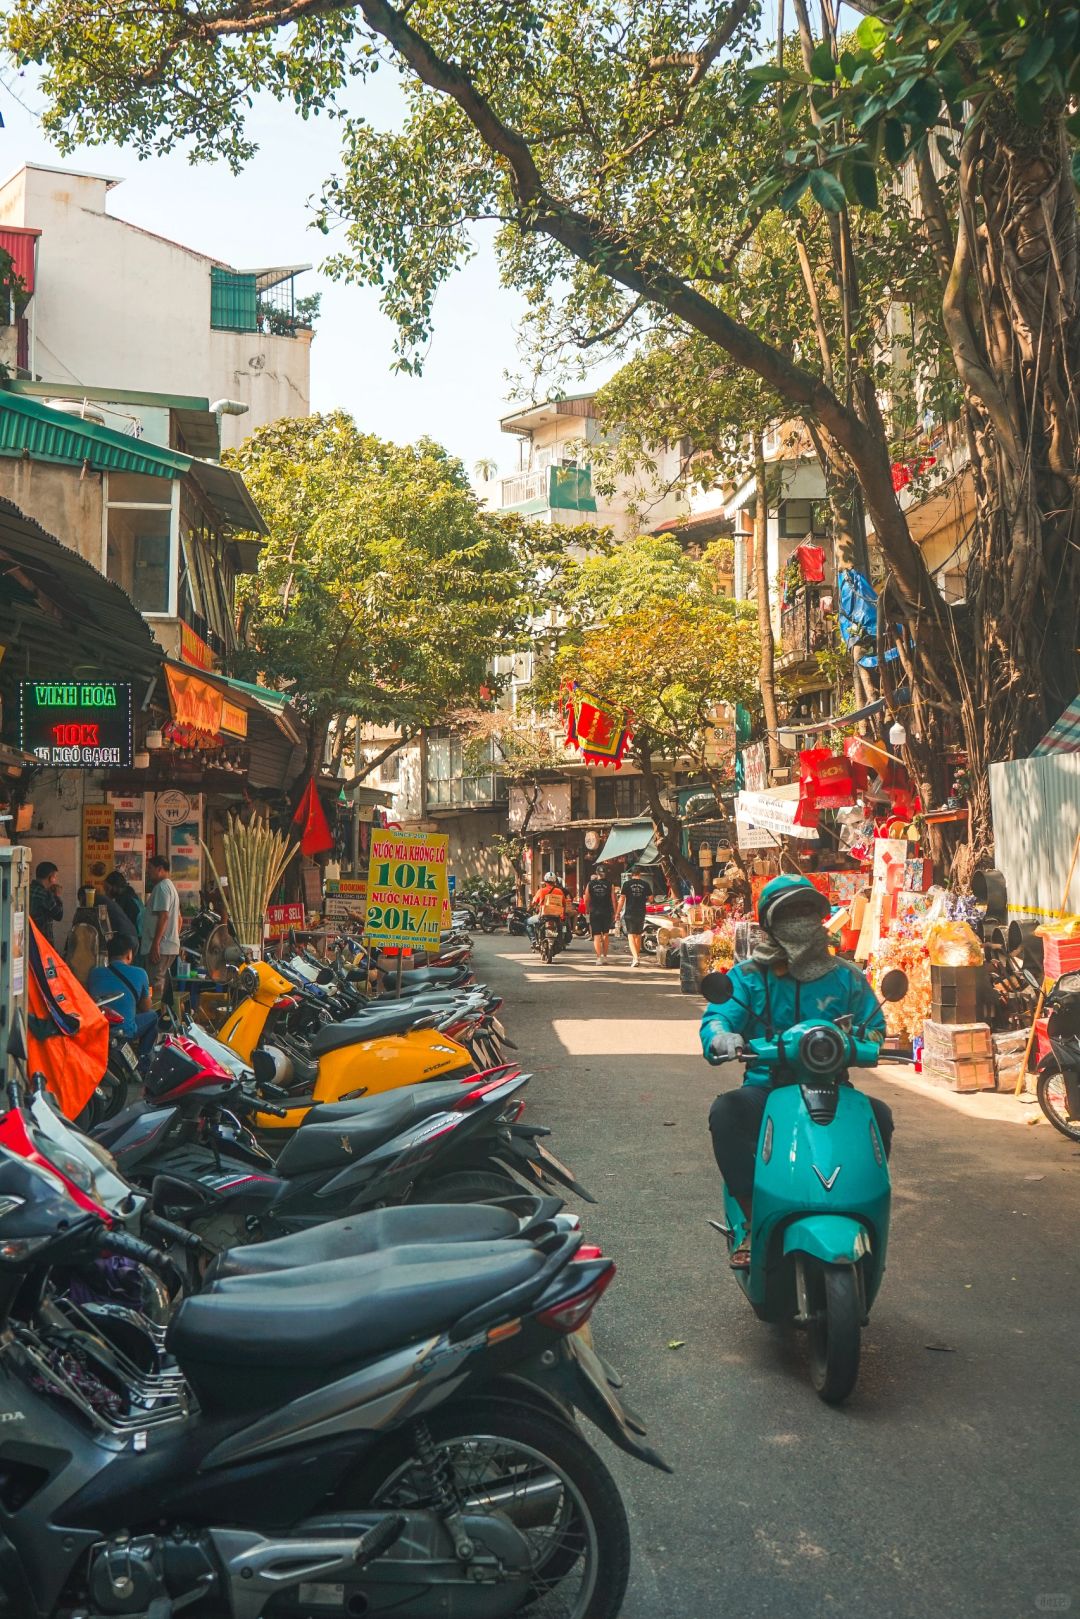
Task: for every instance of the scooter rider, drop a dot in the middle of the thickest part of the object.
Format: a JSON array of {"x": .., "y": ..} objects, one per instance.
[
  {"x": 791, "y": 977},
  {"x": 550, "y": 899}
]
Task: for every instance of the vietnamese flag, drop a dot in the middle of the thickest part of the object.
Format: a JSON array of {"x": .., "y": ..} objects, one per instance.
[{"x": 315, "y": 838}]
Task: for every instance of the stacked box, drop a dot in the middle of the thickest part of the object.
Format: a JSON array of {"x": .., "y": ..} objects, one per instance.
[
  {"x": 958, "y": 994},
  {"x": 1061, "y": 954},
  {"x": 959, "y": 1055},
  {"x": 961, "y": 1073}
]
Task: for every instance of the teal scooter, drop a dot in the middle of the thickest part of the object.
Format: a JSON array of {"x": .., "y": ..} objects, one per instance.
[{"x": 820, "y": 1211}]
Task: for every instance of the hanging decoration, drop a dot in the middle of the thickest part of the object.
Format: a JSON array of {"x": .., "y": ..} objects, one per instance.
[
  {"x": 600, "y": 732},
  {"x": 811, "y": 560}
]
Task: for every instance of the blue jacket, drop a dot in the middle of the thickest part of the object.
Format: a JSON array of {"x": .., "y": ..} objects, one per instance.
[{"x": 840, "y": 992}]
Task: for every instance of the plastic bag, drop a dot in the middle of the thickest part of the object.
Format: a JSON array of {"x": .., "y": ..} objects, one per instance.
[{"x": 954, "y": 944}]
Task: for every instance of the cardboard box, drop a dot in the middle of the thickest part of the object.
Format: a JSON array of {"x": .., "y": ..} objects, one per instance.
[
  {"x": 951, "y": 1040},
  {"x": 967, "y": 1011},
  {"x": 962, "y": 1073}
]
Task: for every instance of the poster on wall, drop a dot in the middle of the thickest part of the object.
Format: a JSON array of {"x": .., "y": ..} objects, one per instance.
[
  {"x": 97, "y": 843},
  {"x": 185, "y": 863},
  {"x": 407, "y": 889}
]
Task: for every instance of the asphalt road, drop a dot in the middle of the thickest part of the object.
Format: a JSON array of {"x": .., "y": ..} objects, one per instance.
[{"x": 948, "y": 1485}]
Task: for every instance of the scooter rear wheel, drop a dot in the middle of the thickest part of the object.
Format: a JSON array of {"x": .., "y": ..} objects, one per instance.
[
  {"x": 1054, "y": 1101},
  {"x": 836, "y": 1333}
]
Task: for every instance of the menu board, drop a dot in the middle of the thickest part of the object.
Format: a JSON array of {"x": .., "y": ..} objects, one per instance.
[{"x": 185, "y": 863}]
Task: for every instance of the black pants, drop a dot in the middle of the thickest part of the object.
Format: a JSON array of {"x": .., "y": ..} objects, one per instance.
[{"x": 735, "y": 1124}]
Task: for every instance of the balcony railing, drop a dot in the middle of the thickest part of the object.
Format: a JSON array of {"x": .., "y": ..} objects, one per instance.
[
  {"x": 465, "y": 792},
  {"x": 565, "y": 489},
  {"x": 804, "y": 629}
]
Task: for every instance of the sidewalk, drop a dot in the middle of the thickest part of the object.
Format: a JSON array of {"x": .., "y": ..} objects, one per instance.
[{"x": 999, "y": 1105}]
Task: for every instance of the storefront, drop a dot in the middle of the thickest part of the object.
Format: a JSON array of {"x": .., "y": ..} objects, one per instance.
[{"x": 79, "y": 665}]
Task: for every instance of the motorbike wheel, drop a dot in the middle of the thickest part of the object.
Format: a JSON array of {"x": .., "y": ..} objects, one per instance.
[
  {"x": 486, "y": 922},
  {"x": 545, "y": 952},
  {"x": 468, "y": 1186},
  {"x": 543, "y": 1474},
  {"x": 649, "y": 945},
  {"x": 112, "y": 1095},
  {"x": 1054, "y": 1101},
  {"x": 836, "y": 1333}
]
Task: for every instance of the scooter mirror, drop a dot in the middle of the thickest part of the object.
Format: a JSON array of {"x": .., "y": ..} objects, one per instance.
[
  {"x": 716, "y": 988},
  {"x": 894, "y": 985}
]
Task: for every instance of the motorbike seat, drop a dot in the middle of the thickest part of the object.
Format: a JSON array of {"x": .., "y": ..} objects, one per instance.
[
  {"x": 369, "y": 1233},
  {"x": 430, "y": 1097},
  {"x": 427, "y": 977},
  {"x": 254, "y": 1337},
  {"x": 338, "y": 1142},
  {"x": 371, "y": 1026}
]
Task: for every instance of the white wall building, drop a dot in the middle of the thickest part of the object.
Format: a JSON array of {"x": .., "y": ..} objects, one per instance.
[
  {"x": 103, "y": 302},
  {"x": 553, "y": 479}
]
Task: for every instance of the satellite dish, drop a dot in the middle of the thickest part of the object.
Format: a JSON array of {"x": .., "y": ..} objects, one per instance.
[{"x": 215, "y": 951}]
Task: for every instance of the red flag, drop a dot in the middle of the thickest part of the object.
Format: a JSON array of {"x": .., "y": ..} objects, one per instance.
[{"x": 315, "y": 837}]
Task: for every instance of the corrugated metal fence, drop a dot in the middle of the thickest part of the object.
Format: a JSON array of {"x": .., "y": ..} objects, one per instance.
[{"x": 1036, "y": 809}]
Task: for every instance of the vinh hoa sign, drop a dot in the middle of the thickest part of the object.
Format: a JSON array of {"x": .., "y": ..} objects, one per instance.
[{"x": 76, "y": 725}]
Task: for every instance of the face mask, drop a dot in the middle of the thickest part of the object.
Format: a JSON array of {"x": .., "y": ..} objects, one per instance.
[{"x": 806, "y": 946}]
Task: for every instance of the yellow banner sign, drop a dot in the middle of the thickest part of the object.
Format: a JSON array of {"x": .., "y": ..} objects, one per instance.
[{"x": 407, "y": 891}]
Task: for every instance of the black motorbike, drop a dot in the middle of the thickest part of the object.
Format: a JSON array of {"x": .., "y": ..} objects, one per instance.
[
  {"x": 389, "y": 1433},
  {"x": 1058, "y": 1084}
]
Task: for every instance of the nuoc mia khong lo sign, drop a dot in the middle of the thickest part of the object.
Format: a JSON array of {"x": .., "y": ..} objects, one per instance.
[
  {"x": 76, "y": 724},
  {"x": 407, "y": 896}
]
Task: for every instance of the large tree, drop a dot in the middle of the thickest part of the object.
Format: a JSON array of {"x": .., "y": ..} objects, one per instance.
[
  {"x": 608, "y": 142},
  {"x": 384, "y": 589}
]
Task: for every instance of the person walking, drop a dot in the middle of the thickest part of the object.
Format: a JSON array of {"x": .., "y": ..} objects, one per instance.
[
  {"x": 600, "y": 909},
  {"x": 160, "y": 938},
  {"x": 46, "y": 904},
  {"x": 633, "y": 899}
]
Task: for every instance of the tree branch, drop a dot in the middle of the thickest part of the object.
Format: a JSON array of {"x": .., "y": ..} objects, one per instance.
[{"x": 701, "y": 61}]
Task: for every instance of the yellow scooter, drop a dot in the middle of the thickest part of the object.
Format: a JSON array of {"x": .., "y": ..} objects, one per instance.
[{"x": 392, "y": 1046}]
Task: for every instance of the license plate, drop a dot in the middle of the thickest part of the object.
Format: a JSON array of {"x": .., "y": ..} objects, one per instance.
[
  {"x": 129, "y": 1054},
  {"x": 499, "y": 1030},
  {"x": 547, "y": 1157}
]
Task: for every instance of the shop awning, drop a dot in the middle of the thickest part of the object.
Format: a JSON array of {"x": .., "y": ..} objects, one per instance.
[
  {"x": 213, "y": 702},
  {"x": 59, "y": 616},
  {"x": 626, "y": 838},
  {"x": 1064, "y": 735}
]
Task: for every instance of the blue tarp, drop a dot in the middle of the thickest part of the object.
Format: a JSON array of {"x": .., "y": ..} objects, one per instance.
[{"x": 859, "y": 615}]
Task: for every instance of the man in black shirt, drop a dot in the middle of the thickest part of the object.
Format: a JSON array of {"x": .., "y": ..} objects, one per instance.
[
  {"x": 636, "y": 894},
  {"x": 46, "y": 905},
  {"x": 600, "y": 907}
]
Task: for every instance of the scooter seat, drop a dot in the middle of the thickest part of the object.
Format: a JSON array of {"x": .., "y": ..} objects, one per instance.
[
  {"x": 369, "y": 1233},
  {"x": 428, "y": 977},
  {"x": 370, "y": 1026},
  {"x": 346, "y": 1136},
  {"x": 261, "y": 1340}
]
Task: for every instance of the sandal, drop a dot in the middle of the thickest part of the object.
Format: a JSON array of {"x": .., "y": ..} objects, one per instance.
[{"x": 740, "y": 1256}]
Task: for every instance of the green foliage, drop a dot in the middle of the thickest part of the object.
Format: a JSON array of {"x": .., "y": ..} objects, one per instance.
[
  {"x": 917, "y": 76},
  {"x": 383, "y": 589}
]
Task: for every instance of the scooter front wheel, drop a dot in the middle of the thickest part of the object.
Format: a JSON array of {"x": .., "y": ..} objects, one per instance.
[
  {"x": 836, "y": 1333},
  {"x": 1054, "y": 1100}
]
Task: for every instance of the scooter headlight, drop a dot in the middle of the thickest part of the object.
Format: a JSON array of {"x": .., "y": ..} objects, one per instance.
[{"x": 823, "y": 1050}]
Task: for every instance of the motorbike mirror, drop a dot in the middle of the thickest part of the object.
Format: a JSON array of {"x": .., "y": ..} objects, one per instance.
[
  {"x": 170, "y": 1196},
  {"x": 717, "y": 988},
  {"x": 894, "y": 985},
  {"x": 16, "y": 1044},
  {"x": 1069, "y": 984}
]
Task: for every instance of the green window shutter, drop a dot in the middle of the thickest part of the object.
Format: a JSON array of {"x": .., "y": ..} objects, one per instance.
[{"x": 233, "y": 301}]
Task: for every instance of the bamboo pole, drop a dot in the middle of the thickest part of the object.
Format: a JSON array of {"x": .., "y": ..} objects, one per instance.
[
  {"x": 1019, "y": 1091},
  {"x": 255, "y": 861}
]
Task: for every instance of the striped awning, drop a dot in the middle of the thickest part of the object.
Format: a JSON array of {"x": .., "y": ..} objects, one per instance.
[{"x": 1064, "y": 735}]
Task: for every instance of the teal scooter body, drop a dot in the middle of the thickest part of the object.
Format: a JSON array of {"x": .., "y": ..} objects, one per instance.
[{"x": 820, "y": 1209}]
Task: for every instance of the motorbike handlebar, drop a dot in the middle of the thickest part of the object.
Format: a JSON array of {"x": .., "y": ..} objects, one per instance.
[
  {"x": 125, "y": 1247},
  {"x": 173, "y": 1232}
]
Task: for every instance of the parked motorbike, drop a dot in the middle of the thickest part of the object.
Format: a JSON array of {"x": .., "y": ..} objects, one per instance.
[
  {"x": 820, "y": 1220},
  {"x": 389, "y": 1433},
  {"x": 1058, "y": 1083}
]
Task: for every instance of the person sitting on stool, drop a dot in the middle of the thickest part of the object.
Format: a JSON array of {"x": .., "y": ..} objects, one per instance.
[{"x": 127, "y": 990}]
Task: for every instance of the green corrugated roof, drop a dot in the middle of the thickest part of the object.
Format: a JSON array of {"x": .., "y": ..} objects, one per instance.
[
  {"x": 276, "y": 699},
  {"x": 30, "y": 428}
]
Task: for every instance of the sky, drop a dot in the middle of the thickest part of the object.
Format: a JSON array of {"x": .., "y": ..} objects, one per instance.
[{"x": 263, "y": 216}]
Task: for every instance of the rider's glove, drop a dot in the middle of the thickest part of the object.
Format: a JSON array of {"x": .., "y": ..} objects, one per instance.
[{"x": 724, "y": 1046}]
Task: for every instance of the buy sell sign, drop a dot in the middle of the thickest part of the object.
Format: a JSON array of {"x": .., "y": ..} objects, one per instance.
[{"x": 407, "y": 889}]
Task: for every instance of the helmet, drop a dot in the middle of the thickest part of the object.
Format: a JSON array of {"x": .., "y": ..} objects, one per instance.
[
  {"x": 778, "y": 896},
  {"x": 550, "y": 877}
]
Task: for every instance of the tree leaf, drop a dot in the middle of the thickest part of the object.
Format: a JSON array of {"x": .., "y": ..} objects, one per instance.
[
  {"x": 895, "y": 140},
  {"x": 1076, "y": 168},
  {"x": 822, "y": 65},
  {"x": 863, "y": 183},
  {"x": 828, "y": 190},
  {"x": 871, "y": 34},
  {"x": 1035, "y": 59}
]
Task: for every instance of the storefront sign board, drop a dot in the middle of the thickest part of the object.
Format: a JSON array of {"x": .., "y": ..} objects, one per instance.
[
  {"x": 281, "y": 918},
  {"x": 407, "y": 889},
  {"x": 193, "y": 649},
  {"x": 76, "y": 724},
  {"x": 755, "y": 774},
  {"x": 346, "y": 897},
  {"x": 234, "y": 720},
  {"x": 765, "y": 811},
  {"x": 97, "y": 843}
]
